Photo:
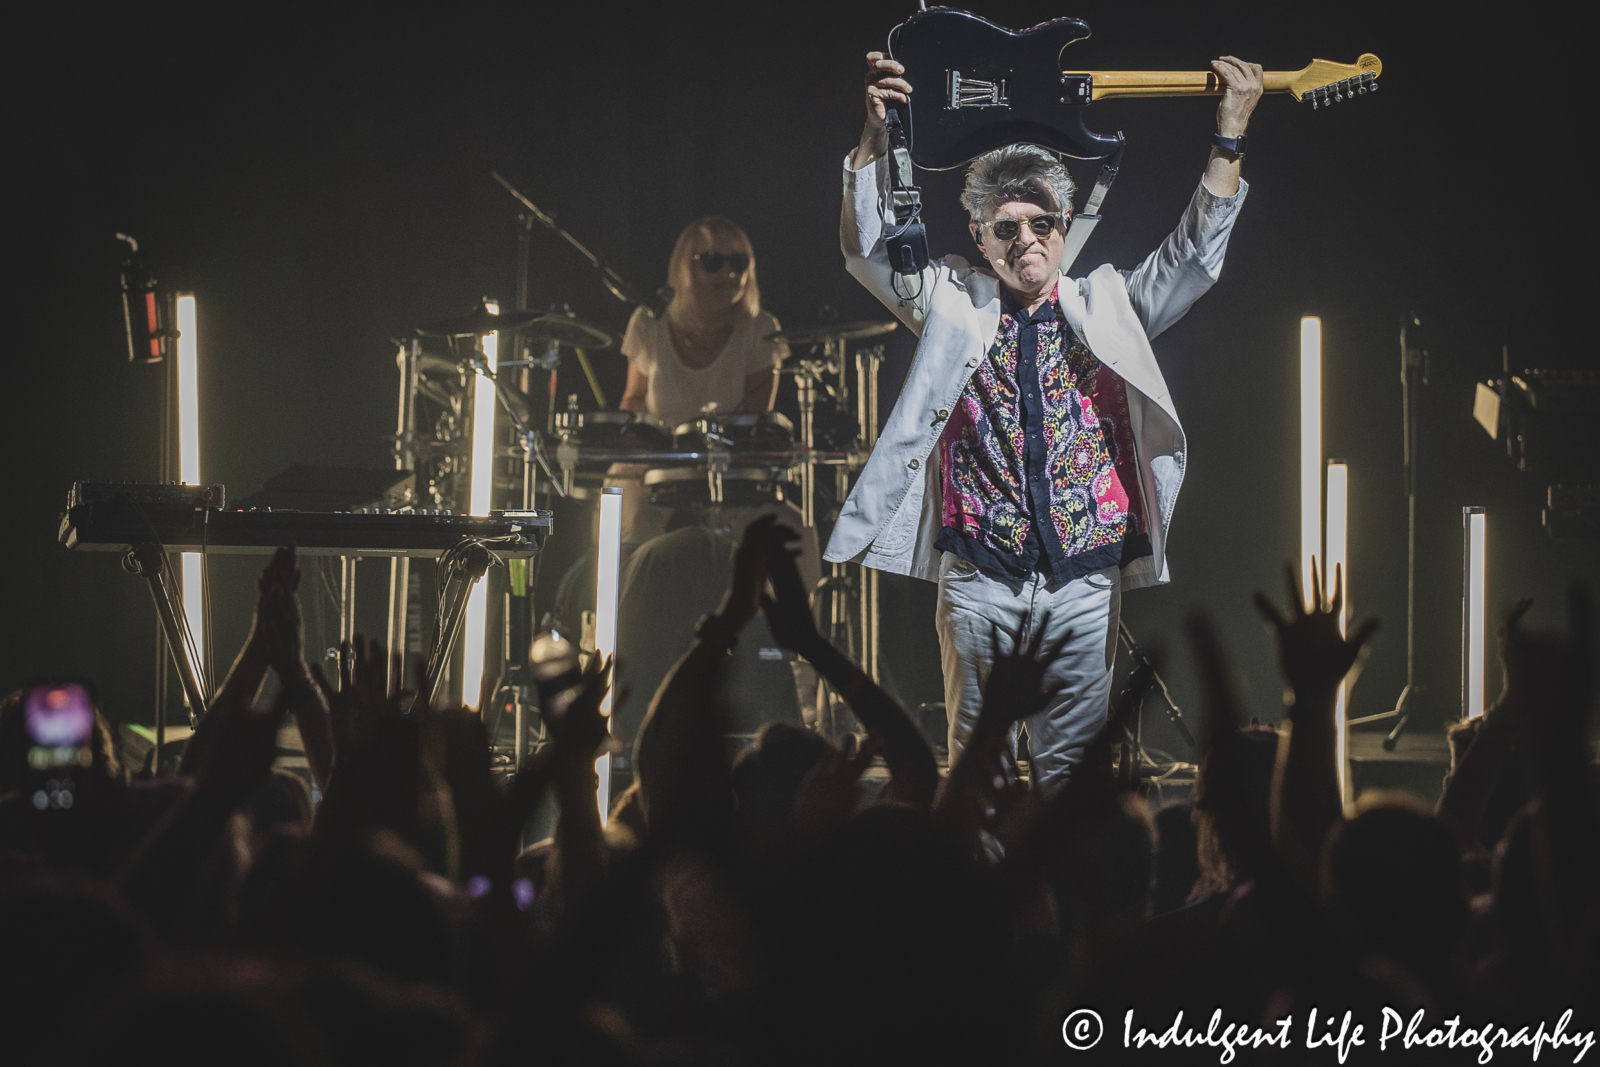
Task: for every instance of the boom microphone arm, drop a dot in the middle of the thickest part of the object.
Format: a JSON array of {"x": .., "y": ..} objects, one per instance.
[{"x": 614, "y": 282}]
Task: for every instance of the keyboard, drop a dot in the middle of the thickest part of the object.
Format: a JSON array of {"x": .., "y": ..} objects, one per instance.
[{"x": 117, "y": 523}]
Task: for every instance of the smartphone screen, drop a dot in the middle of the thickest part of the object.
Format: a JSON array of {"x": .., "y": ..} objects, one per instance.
[{"x": 59, "y": 716}]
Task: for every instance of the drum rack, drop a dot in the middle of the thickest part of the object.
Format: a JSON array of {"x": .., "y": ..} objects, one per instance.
[
  {"x": 844, "y": 580},
  {"x": 846, "y": 597}
]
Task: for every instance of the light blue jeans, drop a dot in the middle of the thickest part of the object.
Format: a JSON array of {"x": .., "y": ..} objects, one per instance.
[{"x": 977, "y": 614}]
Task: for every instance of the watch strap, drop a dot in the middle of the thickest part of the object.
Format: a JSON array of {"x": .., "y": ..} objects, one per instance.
[{"x": 1231, "y": 144}]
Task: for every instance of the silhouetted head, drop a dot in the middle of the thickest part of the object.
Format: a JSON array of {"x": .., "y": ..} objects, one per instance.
[
  {"x": 69, "y": 946},
  {"x": 280, "y": 804},
  {"x": 1393, "y": 871},
  {"x": 1232, "y": 806},
  {"x": 766, "y": 779},
  {"x": 1102, "y": 871},
  {"x": 1177, "y": 856}
]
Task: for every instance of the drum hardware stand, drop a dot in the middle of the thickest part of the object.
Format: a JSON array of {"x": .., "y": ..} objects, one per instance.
[
  {"x": 868, "y": 363},
  {"x": 550, "y": 363},
  {"x": 347, "y": 598},
  {"x": 407, "y": 445},
  {"x": 839, "y": 585},
  {"x": 718, "y": 459},
  {"x": 531, "y": 443},
  {"x": 529, "y": 440}
]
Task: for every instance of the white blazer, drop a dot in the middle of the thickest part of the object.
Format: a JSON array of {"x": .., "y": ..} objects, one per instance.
[{"x": 893, "y": 514}]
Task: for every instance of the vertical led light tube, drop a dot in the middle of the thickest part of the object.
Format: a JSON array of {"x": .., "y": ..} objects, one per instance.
[
  {"x": 1310, "y": 450},
  {"x": 608, "y": 572},
  {"x": 194, "y": 604},
  {"x": 1339, "y": 563},
  {"x": 476, "y": 623},
  {"x": 1474, "y": 558}
]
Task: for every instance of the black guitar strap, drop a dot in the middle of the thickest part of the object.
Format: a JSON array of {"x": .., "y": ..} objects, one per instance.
[
  {"x": 907, "y": 243},
  {"x": 1085, "y": 221}
]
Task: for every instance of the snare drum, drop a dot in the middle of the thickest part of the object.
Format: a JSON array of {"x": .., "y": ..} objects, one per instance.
[
  {"x": 741, "y": 431},
  {"x": 697, "y": 487}
]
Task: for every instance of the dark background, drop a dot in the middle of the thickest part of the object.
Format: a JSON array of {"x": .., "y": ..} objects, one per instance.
[{"x": 323, "y": 185}]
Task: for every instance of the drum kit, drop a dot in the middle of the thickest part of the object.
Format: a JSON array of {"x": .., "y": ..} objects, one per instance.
[
  {"x": 717, "y": 462},
  {"x": 712, "y": 470}
]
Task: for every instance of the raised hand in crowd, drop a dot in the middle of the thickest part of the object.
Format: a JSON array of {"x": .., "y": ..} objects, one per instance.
[
  {"x": 829, "y": 793},
  {"x": 1316, "y": 657},
  {"x": 1480, "y": 749},
  {"x": 913, "y": 770},
  {"x": 282, "y": 627},
  {"x": 1233, "y": 790},
  {"x": 682, "y": 775},
  {"x": 380, "y": 778},
  {"x": 249, "y": 670},
  {"x": 1550, "y": 686},
  {"x": 974, "y": 796},
  {"x": 1314, "y": 651},
  {"x": 578, "y": 733},
  {"x": 165, "y": 876}
]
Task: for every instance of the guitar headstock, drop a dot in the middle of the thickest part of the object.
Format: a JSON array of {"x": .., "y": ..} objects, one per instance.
[{"x": 1323, "y": 83}]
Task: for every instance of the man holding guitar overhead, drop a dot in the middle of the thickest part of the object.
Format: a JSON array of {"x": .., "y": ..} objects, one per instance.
[{"x": 1031, "y": 463}]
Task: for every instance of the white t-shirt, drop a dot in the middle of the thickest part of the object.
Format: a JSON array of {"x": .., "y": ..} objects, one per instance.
[{"x": 677, "y": 392}]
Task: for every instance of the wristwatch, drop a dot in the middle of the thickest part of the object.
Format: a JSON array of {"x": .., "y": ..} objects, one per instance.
[{"x": 1231, "y": 144}]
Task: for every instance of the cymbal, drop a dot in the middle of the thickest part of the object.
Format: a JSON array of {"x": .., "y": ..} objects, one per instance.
[
  {"x": 481, "y": 321},
  {"x": 833, "y": 331},
  {"x": 566, "y": 330}
]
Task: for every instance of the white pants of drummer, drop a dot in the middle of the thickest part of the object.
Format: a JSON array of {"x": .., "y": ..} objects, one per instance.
[{"x": 978, "y": 614}]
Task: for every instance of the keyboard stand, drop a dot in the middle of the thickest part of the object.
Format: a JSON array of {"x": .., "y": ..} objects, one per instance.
[
  {"x": 149, "y": 561},
  {"x": 458, "y": 588}
]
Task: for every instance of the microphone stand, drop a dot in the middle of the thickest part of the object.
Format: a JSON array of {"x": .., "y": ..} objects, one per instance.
[
  {"x": 1143, "y": 662},
  {"x": 1413, "y": 376}
]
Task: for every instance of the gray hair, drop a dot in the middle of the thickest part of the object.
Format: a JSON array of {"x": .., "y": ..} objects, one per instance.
[{"x": 1015, "y": 172}]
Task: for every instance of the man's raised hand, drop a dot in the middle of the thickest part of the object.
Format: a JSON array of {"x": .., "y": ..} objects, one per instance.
[
  {"x": 1242, "y": 86},
  {"x": 884, "y": 84}
]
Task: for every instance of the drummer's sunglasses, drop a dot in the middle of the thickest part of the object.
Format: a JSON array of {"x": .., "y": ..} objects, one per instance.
[
  {"x": 1041, "y": 225},
  {"x": 712, "y": 262}
]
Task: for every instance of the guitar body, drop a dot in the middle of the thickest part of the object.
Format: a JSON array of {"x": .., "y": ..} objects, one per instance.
[{"x": 979, "y": 87}]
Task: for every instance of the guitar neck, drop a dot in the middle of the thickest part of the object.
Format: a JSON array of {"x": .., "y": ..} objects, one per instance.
[{"x": 1109, "y": 84}]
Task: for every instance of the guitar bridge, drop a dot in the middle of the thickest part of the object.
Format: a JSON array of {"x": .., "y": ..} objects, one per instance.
[{"x": 975, "y": 92}]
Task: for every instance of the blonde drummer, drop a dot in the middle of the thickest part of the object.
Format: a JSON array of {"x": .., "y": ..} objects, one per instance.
[{"x": 708, "y": 352}]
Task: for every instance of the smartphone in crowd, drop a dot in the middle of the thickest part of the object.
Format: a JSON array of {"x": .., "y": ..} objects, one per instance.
[{"x": 60, "y": 725}]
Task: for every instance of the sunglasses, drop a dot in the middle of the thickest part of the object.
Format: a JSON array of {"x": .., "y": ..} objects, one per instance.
[
  {"x": 1042, "y": 225},
  {"x": 712, "y": 262}
]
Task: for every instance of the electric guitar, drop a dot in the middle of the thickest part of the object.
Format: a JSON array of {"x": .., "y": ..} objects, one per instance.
[{"x": 981, "y": 86}]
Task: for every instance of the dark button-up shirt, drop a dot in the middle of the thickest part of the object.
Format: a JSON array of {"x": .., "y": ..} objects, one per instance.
[{"x": 1038, "y": 456}]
